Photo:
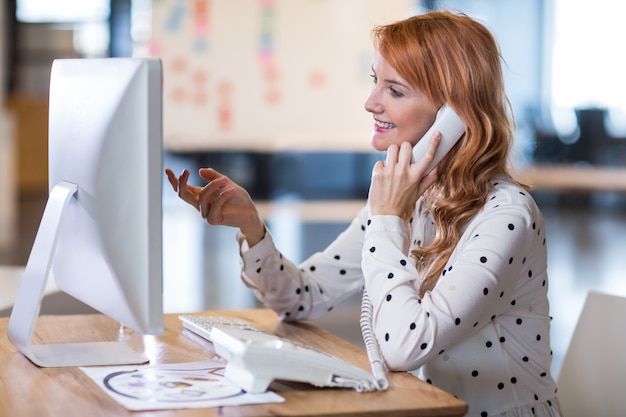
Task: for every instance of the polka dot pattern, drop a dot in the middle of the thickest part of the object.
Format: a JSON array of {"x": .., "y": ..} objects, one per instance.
[{"x": 489, "y": 306}]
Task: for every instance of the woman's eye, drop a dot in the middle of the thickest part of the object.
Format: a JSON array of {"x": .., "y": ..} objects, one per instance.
[
  {"x": 395, "y": 92},
  {"x": 374, "y": 78}
]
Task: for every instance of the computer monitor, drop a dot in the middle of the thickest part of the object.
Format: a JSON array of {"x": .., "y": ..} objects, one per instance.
[{"x": 100, "y": 235}]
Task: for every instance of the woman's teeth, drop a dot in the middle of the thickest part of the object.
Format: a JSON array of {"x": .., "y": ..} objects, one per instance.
[{"x": 384, "y": 125}]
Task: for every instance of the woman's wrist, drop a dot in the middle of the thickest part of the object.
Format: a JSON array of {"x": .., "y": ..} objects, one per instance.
[{"x": 254, "y": 232}]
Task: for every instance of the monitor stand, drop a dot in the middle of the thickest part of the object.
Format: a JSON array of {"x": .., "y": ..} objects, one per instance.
[{"x": 28, "y": 301}]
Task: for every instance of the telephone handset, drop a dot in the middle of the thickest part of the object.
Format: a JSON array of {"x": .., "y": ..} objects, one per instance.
[{"x": 451, "y": 128}]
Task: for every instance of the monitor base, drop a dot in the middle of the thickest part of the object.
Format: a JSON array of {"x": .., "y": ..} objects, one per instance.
[
  {"x": 84, "y": 354},
  {"x": 28, "y": 301}
]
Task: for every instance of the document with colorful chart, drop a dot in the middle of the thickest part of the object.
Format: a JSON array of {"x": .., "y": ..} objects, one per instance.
[{"x": 173, "y": 386}]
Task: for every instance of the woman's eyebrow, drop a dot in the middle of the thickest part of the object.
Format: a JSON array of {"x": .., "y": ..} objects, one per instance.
[
  {"x": 390, "y": 81},
  {"x": 396, "y": 82}
]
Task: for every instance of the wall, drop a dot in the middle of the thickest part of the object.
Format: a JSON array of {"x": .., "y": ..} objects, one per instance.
[
  {"x": 268, "y": 75},
  {"x": 37, "y": 46},
  {"x": 8, "y": 193},
  {"x": 7, "y": 151},
  {"x": 30, "y": 114}
]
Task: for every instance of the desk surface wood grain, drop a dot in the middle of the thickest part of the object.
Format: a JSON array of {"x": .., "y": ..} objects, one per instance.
[
  {"x": 574, "y": 178},
  {"x": 27, "y": 390}
]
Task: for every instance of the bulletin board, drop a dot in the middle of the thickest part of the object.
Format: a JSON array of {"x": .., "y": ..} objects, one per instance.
[{"x": 268, "y": 74}]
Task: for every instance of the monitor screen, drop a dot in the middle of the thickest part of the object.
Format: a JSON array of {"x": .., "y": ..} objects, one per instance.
[{"x": 101, "y": 232}]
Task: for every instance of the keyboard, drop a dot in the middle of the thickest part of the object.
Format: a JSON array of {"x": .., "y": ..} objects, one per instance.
[{"x": 202, "y": 325}]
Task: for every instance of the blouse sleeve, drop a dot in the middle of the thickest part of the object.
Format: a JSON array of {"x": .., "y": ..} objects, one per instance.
[
  {"x": 475, "y": 286},
  {"x": 308, "y": 290}
]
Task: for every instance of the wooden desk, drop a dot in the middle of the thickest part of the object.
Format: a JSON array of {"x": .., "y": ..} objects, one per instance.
[
  {"x": 26, "y": 390},
  {"x": 575, "y": 178}
]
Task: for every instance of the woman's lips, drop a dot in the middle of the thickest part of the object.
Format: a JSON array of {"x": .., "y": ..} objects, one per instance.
[{"x": 383, "y": 126}]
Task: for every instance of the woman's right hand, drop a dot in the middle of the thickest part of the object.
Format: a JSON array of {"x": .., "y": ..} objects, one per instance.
[
  {"x": 397, "y": 183},
  {"x": 220, "y": 202}
]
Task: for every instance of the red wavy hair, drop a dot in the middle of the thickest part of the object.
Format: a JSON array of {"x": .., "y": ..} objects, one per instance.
[{"x": 453, "y": 58}]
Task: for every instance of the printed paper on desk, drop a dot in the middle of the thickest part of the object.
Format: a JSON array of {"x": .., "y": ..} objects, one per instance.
[{"x": 174, "y": 386}]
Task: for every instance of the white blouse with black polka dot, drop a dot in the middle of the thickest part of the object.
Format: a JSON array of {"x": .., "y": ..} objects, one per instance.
[{"x": 482, "y": 334}]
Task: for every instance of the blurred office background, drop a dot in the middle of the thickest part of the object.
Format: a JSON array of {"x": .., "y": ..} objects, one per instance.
[{"x": 233, "y": 100}]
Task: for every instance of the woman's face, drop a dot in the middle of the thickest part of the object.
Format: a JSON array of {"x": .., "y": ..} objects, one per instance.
[{"x": 401, "y": 113}]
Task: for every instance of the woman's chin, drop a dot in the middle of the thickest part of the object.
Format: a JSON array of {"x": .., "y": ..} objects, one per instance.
[{"x": 379, "y": 145}]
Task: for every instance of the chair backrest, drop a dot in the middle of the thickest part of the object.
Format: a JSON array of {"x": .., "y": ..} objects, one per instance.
[{"x": 592, "y": 380}]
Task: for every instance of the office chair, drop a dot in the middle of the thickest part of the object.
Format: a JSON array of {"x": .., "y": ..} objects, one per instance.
[{"x": 592, "y": 381}]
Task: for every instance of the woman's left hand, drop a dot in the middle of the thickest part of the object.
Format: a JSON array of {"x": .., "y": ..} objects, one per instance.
[{"x": 397, "y": 184}]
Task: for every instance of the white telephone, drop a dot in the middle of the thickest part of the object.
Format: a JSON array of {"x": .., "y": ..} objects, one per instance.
[
  {"x": 451, "y": 128},
  {"x": 255, "y": 358}
]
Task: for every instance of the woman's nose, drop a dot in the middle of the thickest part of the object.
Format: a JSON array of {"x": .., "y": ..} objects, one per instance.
[{"x": 372, "y": 104}]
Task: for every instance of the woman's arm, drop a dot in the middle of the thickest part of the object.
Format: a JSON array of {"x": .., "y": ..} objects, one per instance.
[
  {"x": 311, "y": 289},
  {"x": 477, "y": 285}
]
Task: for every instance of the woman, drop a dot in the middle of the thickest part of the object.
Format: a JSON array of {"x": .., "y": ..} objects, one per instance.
[{"x": 454, "y": 260}]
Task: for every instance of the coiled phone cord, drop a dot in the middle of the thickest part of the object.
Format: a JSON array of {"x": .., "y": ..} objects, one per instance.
[{"x": 371, "y": 344}]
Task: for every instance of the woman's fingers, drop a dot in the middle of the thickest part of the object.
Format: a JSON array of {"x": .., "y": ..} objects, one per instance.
[
  {"x": 187, "y": 193},
  {"x": 405, "y": 154},
  {"x": 216, "y": 210},
  {"x": 429, "y": 155},
  {"x": 171, "y": 177},
  {"x": 392, "y": 155},
  {"x": 209, "y": 198},
  {"x": 209, "y": 174},
  {"x": 428, "y": 180}
]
